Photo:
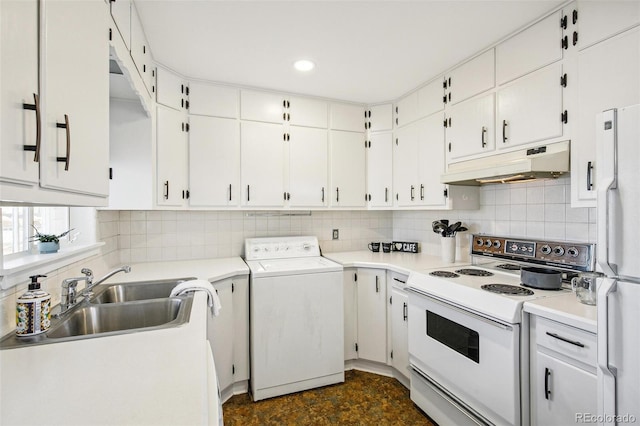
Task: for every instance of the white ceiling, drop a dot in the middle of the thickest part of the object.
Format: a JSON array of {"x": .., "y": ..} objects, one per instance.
[{"x": 365, "y": 51}]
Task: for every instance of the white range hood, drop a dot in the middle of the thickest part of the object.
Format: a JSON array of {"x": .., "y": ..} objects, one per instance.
[{"x": 541, "y": 162}]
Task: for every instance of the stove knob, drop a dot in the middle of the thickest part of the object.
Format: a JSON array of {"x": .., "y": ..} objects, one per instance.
[
  {"x": 545, "y": 249},
  {"x": 480, "y": 242},
  {"x": 558, "y": 251},
  {"x": 572, "y": 251},
  {"x": 496, "y": 244},
  {"x": 488, "y": 243}
]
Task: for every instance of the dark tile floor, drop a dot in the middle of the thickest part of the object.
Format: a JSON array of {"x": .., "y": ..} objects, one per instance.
[{"x": 363, "y": 399}]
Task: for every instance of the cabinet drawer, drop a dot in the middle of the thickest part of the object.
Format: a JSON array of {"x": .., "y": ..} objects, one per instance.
[
  {"x": 566, "y": 340},
  {"x": 397, "y": 280}
]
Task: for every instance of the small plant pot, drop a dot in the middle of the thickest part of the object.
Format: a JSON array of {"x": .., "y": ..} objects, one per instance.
[{"x": 48, "y": 247}]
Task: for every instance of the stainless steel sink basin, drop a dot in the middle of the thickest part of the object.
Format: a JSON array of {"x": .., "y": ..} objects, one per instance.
[
  {"x": 123, "y": 317},
  {"x": 128, "y": 292}
]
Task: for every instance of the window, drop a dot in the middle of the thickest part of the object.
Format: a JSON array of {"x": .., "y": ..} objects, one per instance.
[{"x": 18, "y": 226}]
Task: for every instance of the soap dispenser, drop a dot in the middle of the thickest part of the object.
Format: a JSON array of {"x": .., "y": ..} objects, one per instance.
[{"x": 33, "y": 310}]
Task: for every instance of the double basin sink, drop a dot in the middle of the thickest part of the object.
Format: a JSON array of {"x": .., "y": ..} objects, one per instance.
[{"x": 116, "y": 309}]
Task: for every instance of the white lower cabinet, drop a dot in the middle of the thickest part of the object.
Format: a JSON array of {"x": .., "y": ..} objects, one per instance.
[
  {"x": 372, "y": 316},
  {"x": 348, "y": 169},
  {"x": 399, "y": 323},
  {"x": 229, "y": 332},
  {"x": 562, "y": 373}
]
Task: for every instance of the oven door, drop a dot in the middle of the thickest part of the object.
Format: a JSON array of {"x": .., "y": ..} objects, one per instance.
[{"x": 471, "y": 359}]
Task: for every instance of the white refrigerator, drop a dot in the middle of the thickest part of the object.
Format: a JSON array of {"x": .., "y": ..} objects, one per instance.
[{"x": 618, "y": 253}]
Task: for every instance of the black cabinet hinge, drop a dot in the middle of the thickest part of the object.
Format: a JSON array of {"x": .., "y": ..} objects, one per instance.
[
  {"x": 391, "y": 354},
  {"x": 564, "y": 42},
  {"x": 565, "y": 117},
  {"x": 391, "y": 300},
  {"x": 444, "y": 99},
  {"x": 446, "y": 193},
  {"x": 445, "y": 123},
  {"x": 575, "y": 38},
  {"x": 356, "y": 347},
  {"x": 355, "y": 277},
  {"x": 563, "y": 80},
  {"x": 449, "y": 146},
  {"x": 110, "y": 34},
  {"x": 233, "y": 287},
  {"x": 110, "y": 173},
  {"x": 574, "y": 17},
  {"x": 563, "y": 22},
  {"x": 233, "y": 369}
]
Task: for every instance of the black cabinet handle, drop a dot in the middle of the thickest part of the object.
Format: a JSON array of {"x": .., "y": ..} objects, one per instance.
[
  {"x": 405, "y": 314},
  {"x": 547, "y": 374},
  {"x": 230, "y": 192},
  {"x": 412, "y": 189},
  {"x": 323, "y": 194},
  {"x": 482, "y": 136},
  {"x": 399, "y": 280},
  {"x": 421, "y": 192},
  {"x": 377, "y": 285},
  {"x": 589, "y": 176},
  {"x": 67, "y": 158},
  {"x": 575, "y": 38},
  {"x": 248, "y": 189},
  {"x": 166, "y": 189},
  {"x": 337, "y": 194},
  {"x": 564, "y": 339},
  {"x": 35, "y": 148},
  {"x": 504, "y": 131},
  {"x": 386, "y": 195}
]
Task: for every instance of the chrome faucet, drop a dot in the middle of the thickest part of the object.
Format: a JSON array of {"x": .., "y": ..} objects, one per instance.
[{"x": 69, "y": 294}]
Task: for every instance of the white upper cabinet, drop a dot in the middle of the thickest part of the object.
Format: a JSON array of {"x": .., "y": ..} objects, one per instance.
[
  {"x": 308, "y": 162},
  {"x": 307, "y": 112},
  {"x": 348, "y": 169},
  {"x": 214, "y": 161},
  {"x": 430, "y": 98},
  {"x": 407, "y": 109},
  {"x": 171, "y": 90},
  {"x": 599, "y": 20},
  {"x": 471, "y": 127},
  {"x": 140, "y": 51},
  {"x": 262, "y": 164},
  {"x": 348, "y": 117},
  {"x": 19, "y": 96},
  {"x": 214, "y": 101},
  {"x": 431, "y": 162},
  {"x": 529, "y": 50},
  {"x": 121, "y": 14},
  {"x": 262, "y": 106},
  {"x": 471, "y": 78},
  {"x": 530, "y": 109},
  {"x": 405, "y": 165},
  {"x": 380, "y": 170},
  {"x": 379, "y": 118},
  {"x": 75, "y": 82},
  {"x": 172, "y": 157},
  {"x": 608, "y": 77}
]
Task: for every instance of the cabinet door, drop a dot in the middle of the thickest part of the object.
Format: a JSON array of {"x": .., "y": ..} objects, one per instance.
[
  {"x": 431, "y": 161},
  {"x": 407, "y": 109},
  {"x": 140, "y": 51},
  {"x": 399, "y": 331},
  {"x": 215, "y": 101},
  {"x": 221, "y": 335},
  {"x": 348, "y": 169},
  {"x": 214, "y": 161},
  {"x": 171, "y": 140},
  {"x": 430, "y": 98},
  {"x": 529, "y": 50},
  {"x": 372, "y": 315},
  {"x": 405, "y": 165},
  {"x": 380, "y": 170},
  {"x": 171, "y": 89},
  {"x": 350, "y": 315},
  {"x": 75, "y": 82},
  {"x": 240, "y": 288},
  {"x": 380, "y": 118},
  {"x": 262, "y": 164},
  {"x": 262, "y": 106},
  {"x": 121, "y": 14},
  {"x": 471, "y": 78},
  {"x": 607, "y": 78},
  {"x": 348, "y": 117},
  {"x": 18, "y": 86},
  {"x": 472, "y": 127},
  {"x": 308, "y": 152},
  {"x": 599, "y": 20},
  {"x": 560, "y": 391},
  {"x": 307, "y": 112},
  {"x": 530, "y": 109}
]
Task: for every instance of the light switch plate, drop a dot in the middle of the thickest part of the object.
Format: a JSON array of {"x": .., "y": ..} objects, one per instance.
[{"x": 336, "y": 234}]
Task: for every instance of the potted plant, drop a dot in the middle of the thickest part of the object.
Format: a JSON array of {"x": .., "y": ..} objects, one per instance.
[{"x": 48, "y": 243}]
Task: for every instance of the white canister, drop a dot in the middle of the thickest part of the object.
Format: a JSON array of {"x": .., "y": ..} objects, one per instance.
[
  {"x": 448, "y": 247},
  {"x": 33, "y": 310}
]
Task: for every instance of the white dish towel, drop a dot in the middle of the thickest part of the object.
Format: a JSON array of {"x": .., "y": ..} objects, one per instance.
[{"x": 200, "y": 285}]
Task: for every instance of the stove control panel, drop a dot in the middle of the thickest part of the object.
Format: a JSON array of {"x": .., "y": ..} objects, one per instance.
[{"x": 559, "y": 254}]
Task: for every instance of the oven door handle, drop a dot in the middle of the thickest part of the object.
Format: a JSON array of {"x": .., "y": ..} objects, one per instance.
[{"x": 462, "y": 311}]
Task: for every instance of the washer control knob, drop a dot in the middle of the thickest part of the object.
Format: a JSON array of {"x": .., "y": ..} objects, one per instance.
[
  {"x": 545, "y": 249},
  {"x": 488, "y": 243},
  {"x": 523, "y": 248},
  {"x": 514, "y": 247},
  {"x": 558, "y": 251},
  {"x": 480, "y": 242},
  {"x": 496, "y": 244},
  {"x": 572, "y": 251}
]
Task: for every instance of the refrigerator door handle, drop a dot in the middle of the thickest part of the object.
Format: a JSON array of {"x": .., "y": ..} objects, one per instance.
[
  {"x": 606, "y": 171},
  {"x": 606, "y": 372}
]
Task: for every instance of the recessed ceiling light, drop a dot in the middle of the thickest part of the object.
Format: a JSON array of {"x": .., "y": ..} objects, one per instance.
[{"x": 304, "y": 65}]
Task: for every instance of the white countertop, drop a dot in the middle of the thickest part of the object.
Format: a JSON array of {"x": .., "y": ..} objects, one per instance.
[
  {"x": 403, "y": 263},
  {"x": 206, "y": 269},
  {"x": 565, "y": 309}
]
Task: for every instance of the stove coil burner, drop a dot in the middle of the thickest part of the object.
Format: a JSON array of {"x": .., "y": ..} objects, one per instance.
[
  {"x": 475, "y": 272},
  {"x": 511, "y": 290},
  {"x": 508, "y": 267},
  {"x": 444, "y": 274}
]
